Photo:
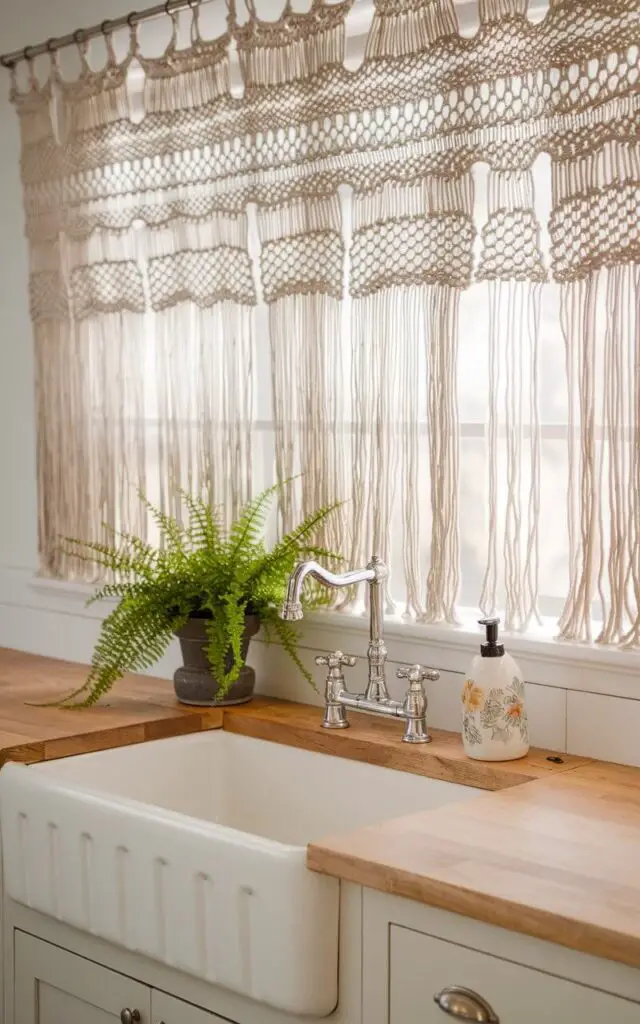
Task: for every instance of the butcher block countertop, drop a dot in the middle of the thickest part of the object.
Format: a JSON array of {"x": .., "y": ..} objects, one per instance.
[
  {"x": 138, "y": 708},
  {"x": 550, "y": 849}
]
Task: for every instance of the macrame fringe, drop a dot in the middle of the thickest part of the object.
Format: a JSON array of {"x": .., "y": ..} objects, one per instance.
[
  {"x": 432, "y": 194},
  {"x": 601, "y": 327},
  {"x": 63, "y": 425},
  {"x": 383, "y": 354},
  {"x": 96, "y": 98},
  {"x": 300, "y": 217},
  {"x": 205, "y": 405},
  {"x": 310, "y": 429},
  {"x": 186, "y": 79},
  {"x": 513, "y": 265},
  {"x": 443, "y": 430},
  {"x": 602, "y": 331},
  {"x": 578, "y": 318},
  {"x": 305, "y": 331},
  {"x": 620, "y": 414},
  {"x": 513, "y": 453},
  {"x": 497, "y": 10},
  {"x": 91, "y": 452},
  {"x": 391, "y": 397},
  {"x": 194, "y": 88},
  {"x": 407, "y": 27},
  {"x": 295, "y": 47}
]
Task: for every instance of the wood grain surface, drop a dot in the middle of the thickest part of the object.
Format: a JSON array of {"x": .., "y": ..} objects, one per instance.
[
  {"x": 379, "y": 741},
  {"x": 554, "y": 859},
  {"x": 139, "y": 708}
]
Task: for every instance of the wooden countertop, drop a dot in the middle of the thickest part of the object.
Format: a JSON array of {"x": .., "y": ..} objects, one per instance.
[
  {"x": 379, "y": 741},
  {"x": 139, "y": 708},
  {"x": 557, "y": 859},
  {"x": 552, "y": 852}
]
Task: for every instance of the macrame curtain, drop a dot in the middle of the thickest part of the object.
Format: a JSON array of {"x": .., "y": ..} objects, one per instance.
[{"x": 347, "y": 204}]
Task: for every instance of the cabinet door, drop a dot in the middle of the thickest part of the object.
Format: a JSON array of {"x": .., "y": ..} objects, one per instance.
[
  {"x": 167, "y": 1010},
  {"x": 53, "y": 986},
  {"x": 421, "y": 967}
]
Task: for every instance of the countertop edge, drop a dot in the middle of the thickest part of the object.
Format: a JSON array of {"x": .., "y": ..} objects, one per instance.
[{"x": 522, "y": 918}]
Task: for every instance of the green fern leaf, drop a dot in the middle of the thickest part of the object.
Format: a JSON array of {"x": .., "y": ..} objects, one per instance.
[{"x": 198, "y": 569}]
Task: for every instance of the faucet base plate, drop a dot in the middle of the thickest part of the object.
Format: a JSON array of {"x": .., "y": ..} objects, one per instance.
[{"x": 335, "y": 717}]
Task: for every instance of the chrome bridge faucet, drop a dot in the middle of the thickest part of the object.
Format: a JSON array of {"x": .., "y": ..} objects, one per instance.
[{"x": 375, "y": 699}]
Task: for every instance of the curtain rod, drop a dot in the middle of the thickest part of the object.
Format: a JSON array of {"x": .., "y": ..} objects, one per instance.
[{"x": 9, "y": 60}]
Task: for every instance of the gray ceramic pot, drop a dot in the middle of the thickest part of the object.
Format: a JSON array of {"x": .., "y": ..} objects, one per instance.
[{"x": 194, "y": 683}]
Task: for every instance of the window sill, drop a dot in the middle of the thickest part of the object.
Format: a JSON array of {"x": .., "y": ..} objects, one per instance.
[{"x": 543, "y": 659}]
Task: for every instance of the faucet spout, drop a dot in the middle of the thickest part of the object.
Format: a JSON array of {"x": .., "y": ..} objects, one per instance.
[
  {"x": 292, "y": 607},
  {"x": 375, "y": 574}
]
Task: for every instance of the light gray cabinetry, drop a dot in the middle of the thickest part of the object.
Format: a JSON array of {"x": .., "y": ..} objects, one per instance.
[
  {"x": 168, "y": 1010},
  {"x": 428, "y": 977},
  {"x": 53, "y": 986},
  {"x": 426, "y": 966}
]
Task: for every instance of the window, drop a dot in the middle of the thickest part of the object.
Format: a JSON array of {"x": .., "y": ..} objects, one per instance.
[{"x": 414, "y": 282}]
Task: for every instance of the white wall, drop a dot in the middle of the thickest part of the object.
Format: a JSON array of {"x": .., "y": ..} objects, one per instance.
[
  {"x": 581, "y": 700},
  {"x": 23, "y": 22}
]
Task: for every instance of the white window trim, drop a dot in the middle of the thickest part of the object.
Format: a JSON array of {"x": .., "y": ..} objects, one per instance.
[{"x": 545, "y": 661}]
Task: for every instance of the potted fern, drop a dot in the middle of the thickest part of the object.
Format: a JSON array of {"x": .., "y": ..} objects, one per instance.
[{"x": 213, "y": 588}]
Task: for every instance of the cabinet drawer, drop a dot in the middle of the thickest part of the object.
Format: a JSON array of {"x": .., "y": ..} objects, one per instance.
[
  {"x": 420, "y": 966},
  {"x": 165, "y": 1009},
  {"x": 53, "y": 986}
]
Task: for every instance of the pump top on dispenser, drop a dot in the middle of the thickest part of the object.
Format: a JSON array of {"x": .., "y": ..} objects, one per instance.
[
  {"x": 491, "y": 648},
  {"x": 494, "y": 713}
]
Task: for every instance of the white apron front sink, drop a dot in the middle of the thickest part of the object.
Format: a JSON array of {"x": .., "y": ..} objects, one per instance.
[{"x": 192, "y": 851}]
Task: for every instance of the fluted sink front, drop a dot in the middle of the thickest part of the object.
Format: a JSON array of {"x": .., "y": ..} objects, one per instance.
[{"x": 192, "y": 851}]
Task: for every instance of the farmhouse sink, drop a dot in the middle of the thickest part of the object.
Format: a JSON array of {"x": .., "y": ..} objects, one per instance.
[{"x": 191, "y": 850}]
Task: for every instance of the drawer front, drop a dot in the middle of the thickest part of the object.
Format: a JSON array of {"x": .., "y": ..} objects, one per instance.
[
  {"x": 53, "y": 986},
  {"x": 165, "y": 1009},
  {"x": 421, "y": 966}
]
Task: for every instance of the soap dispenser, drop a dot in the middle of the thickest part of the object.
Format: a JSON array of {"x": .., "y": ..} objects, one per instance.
[{"x": 494, "y": 714}]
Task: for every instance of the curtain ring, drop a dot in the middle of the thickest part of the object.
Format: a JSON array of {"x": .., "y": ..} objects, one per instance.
[
  {"x": 26, "y": 54},
  {"x": 167, "y": 8},
  {"x": 130, "y": 17},
  {"x": 104, "y": 27},
  {"x": 51, "y": 45},
  {"x": 78, "y": 37}
]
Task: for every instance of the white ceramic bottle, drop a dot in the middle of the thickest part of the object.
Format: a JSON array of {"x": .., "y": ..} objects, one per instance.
[{"x": 494, "y": 714}]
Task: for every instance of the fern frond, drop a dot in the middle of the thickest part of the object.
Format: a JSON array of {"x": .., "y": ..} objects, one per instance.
[
  {"x": 198, "y": 569},
  {"x": 288, "y": 636},
  {"x": 287, "y": 551},
  {"x": 116, "y": 560},
  {"x": 133, "y": 637},
  {"x": 172, "y": 531},
  {"x": 250, "y": 523},
  {"x": 205, "y": 522}
]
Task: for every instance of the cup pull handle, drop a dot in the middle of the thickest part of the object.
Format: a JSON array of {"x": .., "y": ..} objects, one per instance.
[
  {"x": 464, "y": 1004},
  {"x": 128, "y": 1016}
]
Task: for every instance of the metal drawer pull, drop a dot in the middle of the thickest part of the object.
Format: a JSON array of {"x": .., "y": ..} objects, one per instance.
[
  {"x": 465, "y": 1005},
  {"x": 129, "y": 1016}
]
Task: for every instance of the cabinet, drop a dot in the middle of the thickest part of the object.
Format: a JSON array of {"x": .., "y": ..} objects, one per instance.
[
  {"x": 53, "y": 986},
  {"x": 168, "y": 1010},
  {"x": 418, "y": 961},
  {"x": 421, "y": 967}
]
